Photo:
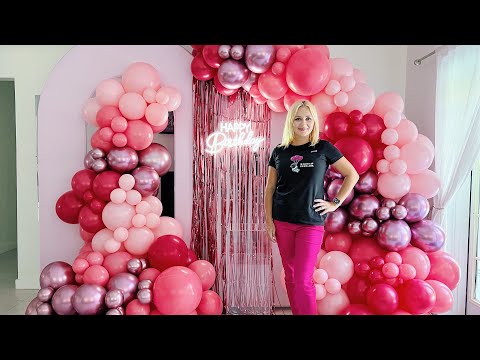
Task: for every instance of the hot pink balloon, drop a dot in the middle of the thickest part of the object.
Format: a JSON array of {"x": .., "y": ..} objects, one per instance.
[
  {"x": 418, "y": 259},
  {"x": 210, "y": 54},
  {"x": 365, "y": 249},
  {"x": 443, "y": 295},
  {"x": 177, "y": 291},
  {"x": 416, "y": 296},
  {"x": 308, "y": 72},
  {"x": 272, "y": 87},
  {"x": 205, "y": 271},
  {"x": 200, "y": 69},
  {"x": 357, "y": 309},
  {"x": 444, "y": 268},
  {"x": 382, "y": 299},
  {"x": 140, "y": 76},
  {"x": 210, "y": 304},
  {"x": 357, "y": 151},
  {"x": 139, "y": 134},
  {"x": 341, "y": 241}
]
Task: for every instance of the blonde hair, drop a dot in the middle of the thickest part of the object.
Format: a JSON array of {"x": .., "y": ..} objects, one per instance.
[{"x": 288, "y": 133}]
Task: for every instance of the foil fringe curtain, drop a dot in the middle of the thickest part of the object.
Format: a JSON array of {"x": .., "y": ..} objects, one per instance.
[{"x": 228, "y": 214}]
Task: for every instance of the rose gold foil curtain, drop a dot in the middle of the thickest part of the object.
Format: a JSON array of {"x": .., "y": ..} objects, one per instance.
[{"x": 228, "y": 214}]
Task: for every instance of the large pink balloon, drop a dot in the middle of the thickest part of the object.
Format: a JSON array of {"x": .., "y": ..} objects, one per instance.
[
  {"x": 427, "y": 183},
  {"x": 232, "y": 74},
  {"x": 140, "y": 76},
  {"x": 418, "y": 259},
  {"x": 357, "y": 151},
  {"x": 407, "y": 132},
  {"x": 205, "y": 271},
  {"x": 393, "y": 186},
  {"x": 382, "y": 299},
  {"x": 109, "y": 92},
  {"x": 210, "y": 304},
  {"x": 444, "y": 268},
  {"x": 361, "y": 98},
  {"x": 139, "y": 134},
  {"x": 177, "y": 291},
  {"x": 416, "y": 296},
  {"x": 338, "y": 265},
  {"x": 444, "y": 296},
  {"x": 308, "y": 71},
  {"x": 333, "y": 304},
  {"x": 364, "y": 249},
  {"x": 417, "y": 155},
  {"x": 157, "y": 157},
  {"x": 272, "y": 87},
  {"x": 56, "y": 274},
  {"x": 388, "y": 101}
]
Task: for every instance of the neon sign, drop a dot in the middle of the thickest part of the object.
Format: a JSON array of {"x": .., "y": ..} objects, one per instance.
[{"x": 231, "y": 135}]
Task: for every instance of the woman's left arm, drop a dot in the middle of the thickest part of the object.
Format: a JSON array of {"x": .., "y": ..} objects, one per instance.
[{"x": 344, "y": 167}]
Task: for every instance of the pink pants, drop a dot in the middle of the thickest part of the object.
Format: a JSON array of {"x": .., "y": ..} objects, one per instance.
[{"x": 299, "y": 246}]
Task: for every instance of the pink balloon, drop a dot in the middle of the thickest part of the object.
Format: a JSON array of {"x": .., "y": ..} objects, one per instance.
[
  {"x": 272, "y": 87},
  {"x": 382, "y": 299},
  {"x": 357, "y": 309},
  {"x": 291, "y": 97},
  {"x": 117, "y": 262},
  {"x": 149, "y": 274},
  {"x": 96, "y": 274},
  {"x": 364, "y": 249},
  {"x": 322, "y": 48},
  {"x": 211, "y": 57},
  {"x": 321, "y": 252},
  {"x": 320, "y": 276},
  {"x": 135, "y": 307},
  {"x": 389, "y": 136},
  {"x": 278, "y": 68},
  {"x": 149, "y": 94},
  {"x": 177, "y": 291},
  {"x": 332, "y": 286},
  {"x": 341, "y": 241},
  {"x": 80, "y": 265},
  {"x": 117, "y": 215},
  {"x": 357, "y": 151},
  {"x": 416, "y": 296},
  {"x": 357, "y": 288},
  {"x": 427, "y": 183},
  {"x": 156, "y": 114},
  {"x": 174, "y": 97},
  {"x": 391, "y": 152},
  {"x": 361, "y": 98},
  {"x": 108, "y": 92},
  {"x": 205, "y": 271},
  {"x": 406, "y": 272},
  {"x": 417, "y": 156},
  {"x": 347, "y": 83},
  {"x": 308, "y": 72},
  {"x": 140, "y": 76},
  {"x": 418, "y": 259},
  {"x": 444, "y": 268},
  {"x": 210, "y": 304},
  {"x": 359, "y": 76},
  {"x": 139, "y": 134},
  {"x": 333, "y": 304},
  {"x": 90, "y": 110},
  {"x": 132, "y": 106},
  {"x": 407, "y": 132},
  {"x": 388, "y": 101},
  {"x": 323, "y": 104},
  {"x": 100, "y": 238},
  {"x": 276, "y": 105},
  {"x": 340, "y": 68},
  {"x": 200, "y": 69},
  {"x": 139, "y": 240},
  {"x": 393, "y": 186},
  {"x": 338, "y": 265},
  {"x": 444, "y": 296},
  {"x": 85, "y": 235},
  {"x": 426, "y": 141},
  {"x": 155, "y": 204},
  {"x": 168, "y": 226}
]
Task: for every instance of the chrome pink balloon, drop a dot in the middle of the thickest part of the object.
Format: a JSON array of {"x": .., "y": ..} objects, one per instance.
[
  {"x": 134, "y": 266},
  {"x": 382, "y": 213},
  {"x": 147, "y": 180},
  {"x": 45, "y": 294},
  {"x": 354, "y": 227},
  {"x": 232, "y": 74},
  {"x": 237, "y": 52},
  {"x": 114, "y": 298},
  {"x": 62, "y": 300},
  {"x": 336, "y": 220},
  {"x": 224, "y": 51},
  {"x": 57, "y": 274},
  {"x": 125, "y": 282},
  {"x": 367, "y": 183},
  {"x": 370, "y": 225},
  {"x": 417, "y": 207},
  {"x": 334, "y": 187},
  {"x": 123, "y": 159},
  {"x": 394, "y": 235},
  {"x": 44, "y": 309},
  {"x": 89, "y": 299},
  {"x": 259, "y": 58},
  {"x": 156, "y": 156},
  {"x": 427, "y": 235},
  {"x": 399, "y": 212},
  {"x": 32, "y": 307},
  {"x": 363, "y": 206}
]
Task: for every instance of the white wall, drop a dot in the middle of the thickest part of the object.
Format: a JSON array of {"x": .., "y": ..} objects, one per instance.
[
  {"x": 420, "y": 108},
  {"x": 385, "y": 69},
  {"x": 8, "y": 186},
  {"x": 29, "y": 66}
]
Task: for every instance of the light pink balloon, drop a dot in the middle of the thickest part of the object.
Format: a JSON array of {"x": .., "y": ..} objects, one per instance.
[
  {"x": 109, "y": 92},
  {"x": 139, "y": 220},
  {"x": 388, "y": 101},
  {"x": 417, "y": 156},
  {"x": 118, "y": 196},
  {"x": 96, "y": 274},
  {"x": 407, "y": 272},
  {"x": 153, "y": 220},
  {"x": 98, "y": 241},
  {"x": 398, "y": 167},
  {"x": 340, "y": 68},
  {"x": 162, "y": 96},
  {"x": 139, "y": 241},
  {"x": 205, "y": 271},
  {"x": 333, "y": 304},
  {"x": 143, "y": 207},
  {"x": 418, "y": 259},
  {"x": 133, "y": 197},
  {"x": 347, "y": 83},
  {"x": 333, "y": 286},
  {"x": 126, "y": 182},
  {"x": 383, "y": 166},
  {"x": 119, "y": 140},
  {"x": 393, "y": 186},
  {"x": 390, "y": 270},
  {"x": 177, "y": 291},
  {"x": 140, "y": 76},
  {"x": 149, "y": 94},
  {"x": 95, "y": 258},
  {"x": 323, "y": 48},
  {"x": 89, "y": 111},
  {"x": 168, "y": 226},
  {"x": 340, "y": 99},
  {"x": 361, "y": 98},
  {"x": 426, "y": 141},
  {"x": 407, "y": 132},
  {"x": 174, "y": 98},
  {"x": 359, "y": 76},
  {"x": 426, "y": 183},
  {"x": 155, "y": 204},
  {"x": 323, "y": 104},
  {"x": 392, "y": 119},
  {"x": 320, "y": 276},
  {"x": 111, "y": 246},
  {"x": 333, "y": 87},
  {"x": 444, "y": 297},
  {"x": 117, "y": 215},
  {"x": 132, "y": 106},
  {"x": 321, "y": 252},
  {"x": 391, "y": 152},
  {"x": 156, "y": 114},
  {"x": 79, "y": 266},
  {"x": 320, "y": 291},
  {"x": 338, "y": 265},
  {"x": 120, "y": 234},
  {"x": 389, "y": 136},
  {"x": 210, "y": 304}
]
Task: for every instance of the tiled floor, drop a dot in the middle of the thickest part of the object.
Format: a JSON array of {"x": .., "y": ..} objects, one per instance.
[
  {"x": 15, "y": 302},
  {"x": 12, "y": 301}
]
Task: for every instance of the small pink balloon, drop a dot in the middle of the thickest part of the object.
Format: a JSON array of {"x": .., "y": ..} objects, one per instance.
[
  {"x": 118, "y": 196},
  {"x": 133, "y": 197},
  {"x": 135, "y": 307},
  {"x": 119, "y": 124},
  {"x": 139, "y": 220},
  {"x": 205, "y": 271},
  {"x": 149, "y": 94},
  {"x": 120, "y": 234},
  {"x": 117, "y": 262},
  {"x": 149, "y": 274},
  {"x": 143, "y": 207},
  {"x": 210, "y": 304},
  {"x": 332, "y": 286},
  {"x": 155, "y": 204},
  {"x": 347, "y": 83},
  {"x": 391, "y": 152},
  {"x": 153, "y": 220},
  {"x": 96, "y": 274},
  {"x": 80, "y": 265},
  {"x": 320, "y": 291},
  {"x": 174, "y": 98},
  {"x": 139, "y": 76},
  {"x": 126, "y": 182},
  {"x": 393, "y": 257},
  {"x": 390, "y": 270},
  {"x": 392, "y": 119},
  {"x": 119, "y": 140},
  {"x": 162, "y": 96},
  {"x": 108, "y": 92},
  {"x": 320, "y": 276},
  {"x": 332, "y": 88}
]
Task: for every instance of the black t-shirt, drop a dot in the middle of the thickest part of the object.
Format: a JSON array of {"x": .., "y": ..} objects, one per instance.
[{"x": 300, "y": 174}]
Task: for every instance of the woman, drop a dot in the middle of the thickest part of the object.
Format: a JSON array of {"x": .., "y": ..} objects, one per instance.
[{"x": 294, "y": 206}]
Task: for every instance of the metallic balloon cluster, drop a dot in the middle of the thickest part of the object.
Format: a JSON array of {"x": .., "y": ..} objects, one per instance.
[{"x": 395, "y": 225}]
